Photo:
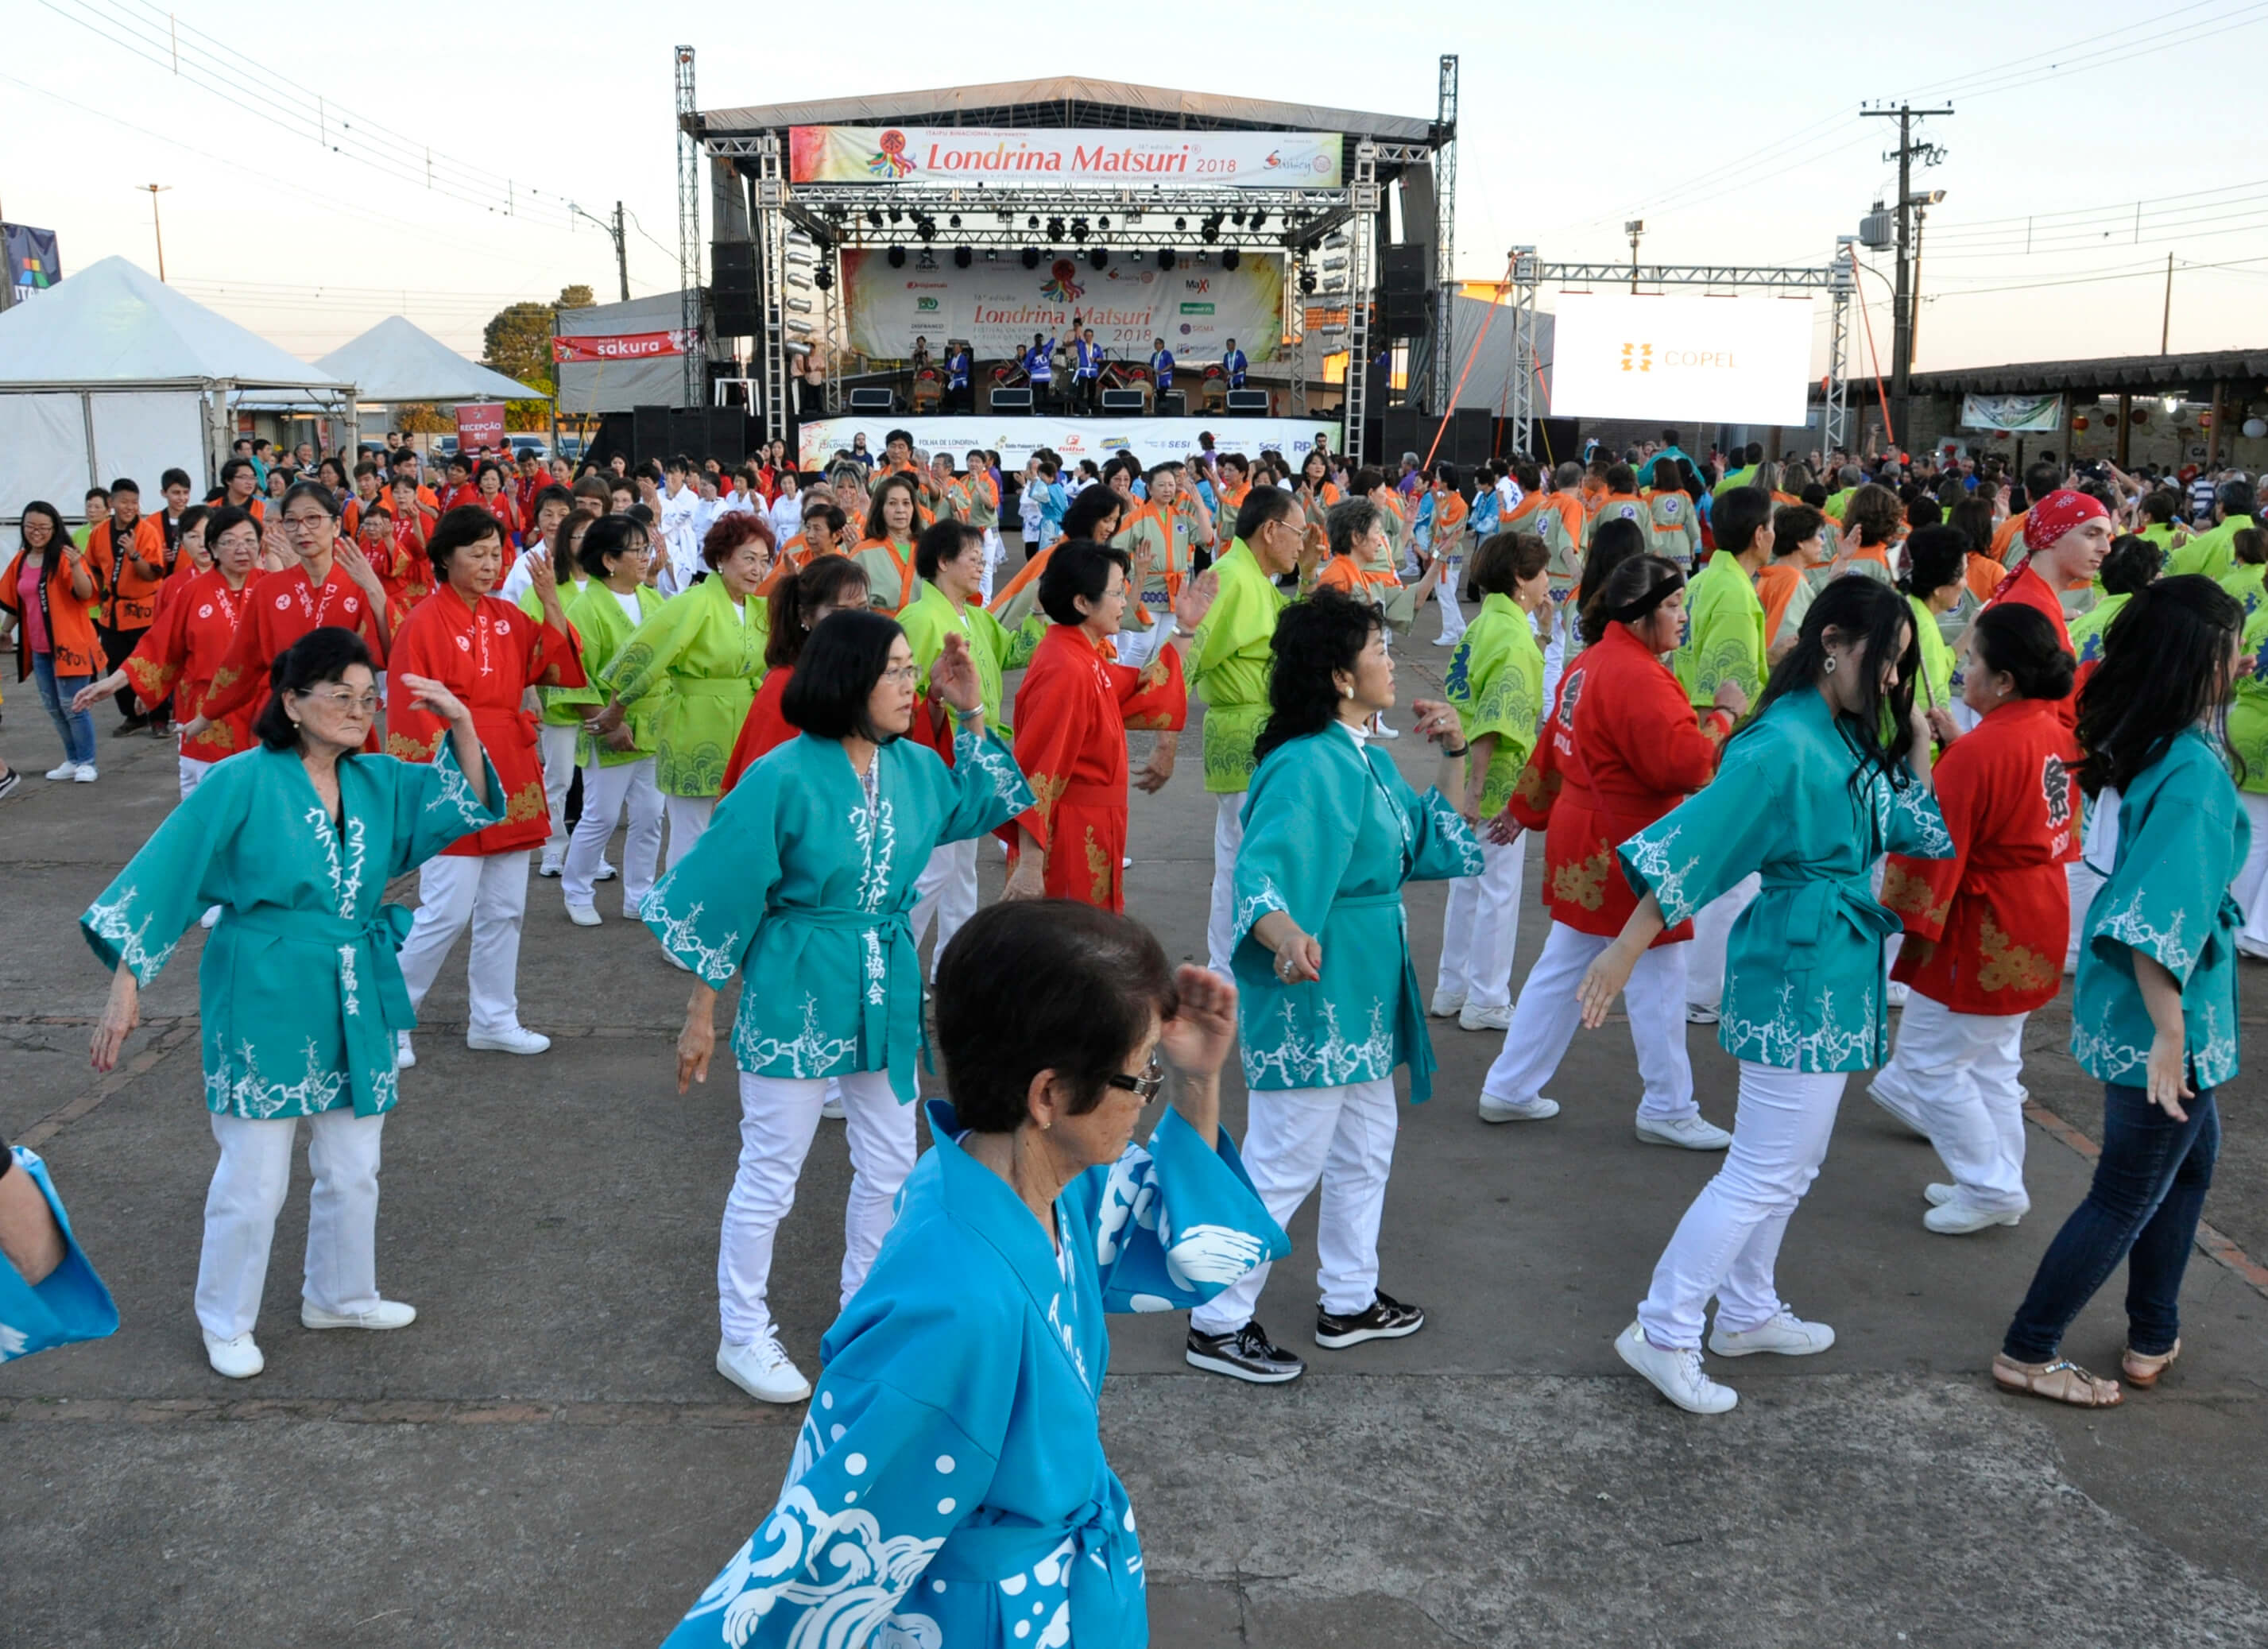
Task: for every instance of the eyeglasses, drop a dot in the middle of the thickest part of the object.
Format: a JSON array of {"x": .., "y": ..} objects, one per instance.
[
  {"x": 360, "y": 703},
  {"x": 901, "y": 674},
  {"x": 1147, "y": 1086},
  {"x": 304, "y": 522}
]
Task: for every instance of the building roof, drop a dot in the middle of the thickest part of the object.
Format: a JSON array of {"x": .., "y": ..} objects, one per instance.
[
  {"x": 397, "y": 361},
  {"x": 113, "y": 322},
  {"x": 2140, "y": 374},
  {"x": 1070, "y": 100}
]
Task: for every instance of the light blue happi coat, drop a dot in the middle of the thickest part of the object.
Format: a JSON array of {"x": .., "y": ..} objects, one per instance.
[{"x": 68, "y": 1304}]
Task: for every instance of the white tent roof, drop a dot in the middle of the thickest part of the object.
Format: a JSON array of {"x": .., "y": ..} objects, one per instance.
[
  {"x": 112, "y": 322},
  {"x": 396, "y": 361}
]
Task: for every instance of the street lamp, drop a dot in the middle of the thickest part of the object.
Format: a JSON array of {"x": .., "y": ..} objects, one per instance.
[{"x": 1634, "y": 228}]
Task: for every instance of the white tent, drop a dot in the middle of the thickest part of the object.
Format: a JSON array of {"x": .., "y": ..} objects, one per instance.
[
  {"x": 395, "y": 361},
  {"x": 111, "y": 372}
]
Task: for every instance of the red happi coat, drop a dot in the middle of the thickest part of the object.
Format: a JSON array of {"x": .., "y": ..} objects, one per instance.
[
  {"x": 1986, "y": 929},
  {"x": 179, "y": 653},
  {"x": 488, "y": 654},
  {"x": 284, "y": 607},
  {"x": 1638, "y": 751},
  {"x": 764, "y": 730},
  {"x": 2026, "y": 588},
  {"x": 1072, "y": 712}
]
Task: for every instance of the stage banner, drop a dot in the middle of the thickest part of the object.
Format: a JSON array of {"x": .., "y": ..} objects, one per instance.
[
  {"x": 2018, "y": 414},
  {"x": 1723, "y": 360},
  {"x": 1153, "y": 440},
  {"x": 998, "y": 306},
  {"x": 617, "y": 346},
  {"x": 33, "y": 263},
  {"x": 973, "y": 154},
  {"x": 479, "y": 423}
]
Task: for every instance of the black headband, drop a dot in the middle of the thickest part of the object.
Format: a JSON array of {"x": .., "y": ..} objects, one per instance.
[{"x": 1630, "y": 612}]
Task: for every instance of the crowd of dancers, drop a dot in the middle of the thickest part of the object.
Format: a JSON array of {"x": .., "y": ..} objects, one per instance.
[{"x": 1800, "y": 759}]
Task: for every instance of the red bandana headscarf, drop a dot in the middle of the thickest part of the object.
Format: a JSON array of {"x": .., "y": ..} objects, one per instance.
[{"x": 2057, "y": 514}]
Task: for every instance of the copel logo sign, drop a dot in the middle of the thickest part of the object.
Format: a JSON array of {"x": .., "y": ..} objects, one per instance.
[{"x": 1640, "y": 357}]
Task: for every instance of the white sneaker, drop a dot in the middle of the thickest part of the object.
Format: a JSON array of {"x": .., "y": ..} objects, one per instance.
[
  {"x": 1700, "y": 1014},
  {"x": 388, "y": 1313},
  {"x": 1536, "y": 1110},
  {"x": 1786, "y": 1334},
  {"x": 1939, "y": 1195},
  {"x": 404, "y": 1054},
  {"x": 831, "y": 1108},
  {"x": 210, "y": 917},
  {"x": 671, "y": 958},
  {"x": 237, "y": 1360},
  {"x": 1676, "y": 1376},
  {"x": 516, "y": 1040},
  {"x": 68, "y": 770},
  {"x": 606, "y": 872},
  {"x": 1898, "y": 992},
  {"x": 1446, "y": 1004},
  {"x": 553, "y": 863},
  {"x": 1696, "y": 1132},
  {"x": 1384, "y": 732},
  {"x": 1883, "y": 1091},
  {"x": 85, "y": 774},
  {"x": 1957, "y": 1217},
  {"x": 763, "y": 1371},
  {"x": 1473, "y": 1018},
  {"x": 584, "y": 916}
]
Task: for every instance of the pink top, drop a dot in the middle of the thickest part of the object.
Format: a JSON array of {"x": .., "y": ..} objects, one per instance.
[{"x": 27, "y": 598}]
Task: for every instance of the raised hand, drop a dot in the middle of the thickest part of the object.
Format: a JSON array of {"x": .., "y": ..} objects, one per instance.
[
  {"x": 1200, "y": 1038},
  {"x": 1437, "y": 721},
  {"x": 435, "y": 700},
  {"x": 1197, "y": 598},
  {"x": 953, "y": 678}
]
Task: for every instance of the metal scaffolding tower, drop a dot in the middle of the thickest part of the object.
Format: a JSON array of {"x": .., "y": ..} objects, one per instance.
[
  {"x": 688, "y": 225},
  {"x": 771, "y": 242},
  {"x": 1445, "y": 197},
  {"x": 1362, "y": 291}
]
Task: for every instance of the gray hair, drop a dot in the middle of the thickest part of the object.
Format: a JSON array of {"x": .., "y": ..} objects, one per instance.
[
  {"x": 1348, "y": 523},
  {"x": 1852, "y": 475}
]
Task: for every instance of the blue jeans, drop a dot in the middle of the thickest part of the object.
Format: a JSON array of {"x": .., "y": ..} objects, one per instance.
[
  {"x": 75, "y": 728},
  {"x": 2143, "y": 1208}
]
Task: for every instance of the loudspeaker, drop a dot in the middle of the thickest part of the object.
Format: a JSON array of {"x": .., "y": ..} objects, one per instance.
[
  {"x": 1418, "y": 227},
  {"x": 1174, "y": 403},
  {"x": 1473, "y": 431},
  {"x": 649, "y": 434},
  {"x": 688, "y": 431},
  {"x": 1406, "y": 271},
  {"x": 1247, "y": 403},
  {"x": 872, "y": 401},
  {"x": 728, "y": 435},
  {"x": 1016, "y": 400},
  {"x": 615, "y": 434},
  {"x": 733, "y": 289},
  {"x": 1113, "y": 401}
]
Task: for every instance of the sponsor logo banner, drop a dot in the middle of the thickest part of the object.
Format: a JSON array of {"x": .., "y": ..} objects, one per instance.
[
  {"x": 1618, "y": 354},
  {"x": 617, "y": 346},
  {"x": 1153, "y": 440},
  {"x": 972, "y": 154},
  {"x": 2020, "y": 414}
]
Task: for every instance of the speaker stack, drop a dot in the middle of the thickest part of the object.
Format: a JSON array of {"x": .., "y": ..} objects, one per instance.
[{"x": 732, "y": 290}]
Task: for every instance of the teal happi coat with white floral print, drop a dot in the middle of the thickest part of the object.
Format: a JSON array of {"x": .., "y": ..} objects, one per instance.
[
  {"x": 949, "y": 1489},
  {"x": 806, "y": 882},
  {"x": 300, "y": 992},
  {"x": 1331, "y": 832},
  {"x": 1805, "y": 983}
]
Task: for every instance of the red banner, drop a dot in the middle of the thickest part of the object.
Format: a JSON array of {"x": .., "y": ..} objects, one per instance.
[
  {"x": 617, "y": 346},
  {"x": 479, "y": 423}
]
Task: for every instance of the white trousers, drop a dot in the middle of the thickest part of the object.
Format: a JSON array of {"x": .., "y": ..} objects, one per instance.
[
  {"x": 2250, "y": 885},
  {"x": 994, "y": 551},
  {"x": 1555, "y": 658},
  {"x": 945, "y": 890},
  {"x": 1481, "y": 926},
  {"x": 688, "y": 817},
  {"x": 778, "y": 1115},
  {"x": 607, "y": 791},
  {"x": 1962, "y": 1075},
  {"x": 1227, "y": 836},
  {"x": 1444, "y": 597},
  {"x": 1135, "y": 646},
  {"x": 248, "y": 1191},
  {"x": 192, "y": 773},
  {"x": 1728, "y": 1243},
  {"x": 489, "y": 891},
  {"x": 1294, "y": 1137},
  {"x": 1712, "y": 931},
  {"x": 1544, "y": 1023},
  {"x": 554, "y": 748}
]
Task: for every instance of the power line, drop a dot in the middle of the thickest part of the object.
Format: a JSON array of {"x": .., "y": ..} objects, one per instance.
[{"x": 2153, "y": 270}]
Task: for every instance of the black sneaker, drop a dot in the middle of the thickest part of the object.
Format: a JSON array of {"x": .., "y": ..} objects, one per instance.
[
  {"x": 1244, "y": 1354},
  {"x": 1386, "y": 1319}
]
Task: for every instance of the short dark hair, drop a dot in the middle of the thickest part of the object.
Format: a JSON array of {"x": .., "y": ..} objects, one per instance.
[
  {"x": 174, "y": 478},
  {"x": 1505, "y": 561},
  {"x": 1090, "y": 510},
  {"x": 1874, "y": 508},
  {"x": 1935, "y": 558},
  {"x": 557, "y": 495},
  {"x": 1080, "y": 567},
  {"x": 608, "y": 536},
  {"x": 1047, "y": 984},
  {"x": 822, "y": 582},
  {"x": 1736, "y": 516},
  {"x": 1261, "y": 505},
  {"x": 1317, "y": 636},
  {"x": 941, "y": 542},
  {"x": 1621, "y": 478},
  {"x": 1794, "y": 523},
  {"x": 234, "y": 466},
  {"x": 322, "y": 496},
  {"x": 842, "y": 660},
  {"x": 2134, "y": 562},
  {"x": 458, "y": 529},
  {"x": 320, "y": 655}
]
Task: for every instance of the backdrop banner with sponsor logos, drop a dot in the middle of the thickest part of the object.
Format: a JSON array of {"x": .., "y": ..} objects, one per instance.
[
  {"x": 973, "y": 155},
  {"x": 1723, "y": 360},
  {"x": 1153, "y": 440},
  {"x": 2022, "y": 413},
  {"x": 999, "y": 305}
]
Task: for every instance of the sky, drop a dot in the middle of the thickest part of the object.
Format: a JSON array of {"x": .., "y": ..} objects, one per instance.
[{"x": 317, "y": 181}]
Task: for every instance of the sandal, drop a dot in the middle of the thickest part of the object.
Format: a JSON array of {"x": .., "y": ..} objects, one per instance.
[
  {"x": 2142, "y": 1368},
  {"x": 2062, "y": 1380}
]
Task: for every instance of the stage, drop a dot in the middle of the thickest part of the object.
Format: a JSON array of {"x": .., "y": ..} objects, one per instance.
[{"x": 1016, "y": 437}]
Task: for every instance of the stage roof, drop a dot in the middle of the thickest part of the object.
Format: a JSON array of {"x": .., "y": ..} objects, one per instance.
[{"x": 1073, "y": 101}]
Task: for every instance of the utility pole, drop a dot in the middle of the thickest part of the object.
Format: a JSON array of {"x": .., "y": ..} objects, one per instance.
[
  {"x": 1634, "y": 228},
  {"x": 2166, "y": 325},
  {"x": 1901, "y": 316},
  {"x": 622, "y": 254},
  {"x": 156, "y": 189}
]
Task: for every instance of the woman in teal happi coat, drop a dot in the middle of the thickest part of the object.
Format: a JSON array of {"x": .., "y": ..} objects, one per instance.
[
  {"x": 1328, "y": 1003},
  {"x": 1808, "y": 796},
  {"x": 300, "y": 995},
  {"x": 805, "y": 884},
  {"x": 949, "y": 1489}
]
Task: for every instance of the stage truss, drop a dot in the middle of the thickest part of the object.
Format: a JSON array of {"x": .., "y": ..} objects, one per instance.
[
  {"x": 1330, "y": 234},
  {"x": 1838, "y": 279}
]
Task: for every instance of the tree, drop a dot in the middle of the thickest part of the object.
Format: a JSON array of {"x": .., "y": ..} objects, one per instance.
[
  {"x": 576, "y": 296},
  {"x": 517, "y": 342}
]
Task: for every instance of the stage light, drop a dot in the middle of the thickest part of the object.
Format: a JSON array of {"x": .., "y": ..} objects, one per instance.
[
  {"x": 1031, "y": 257},
  {"x": 897, "y": 257},
  {"x": 1103, "y": 224},
  {"x": 1165, "y": 257},
  {"x": 823, "y": 276},
  {"x": 1181, "y": 223},
  {"x": 927, "y": 260},
  {"x": 953, "y": 221},
  {"x": 874, "y": 217},
  {"x": 1237, "y": 218},
  {"x": 1054, "y": 229},
  {"x": 1078, "y": 229},
  {"x": 1308, "y": 282},
  {"x": 1259, "y": 218},
  {"x": 1031, "y": 223},
  {"x": 1211, "y": 229},
  {"x": 962, "y": 257},
  {"x": 1231, "y": 258},
  {"x": 1097, "y": 258},
  {"x": 926, "y": 228}
]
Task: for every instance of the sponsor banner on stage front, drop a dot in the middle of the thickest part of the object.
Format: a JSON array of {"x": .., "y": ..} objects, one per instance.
[
  {"x": 616, "y": 346},
  {"x": 974, "y": 154},
  {"x": 998, "y": 306},
  {"x": 1723, "y": 360},
  {"x": 1152, "y": 440}
]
